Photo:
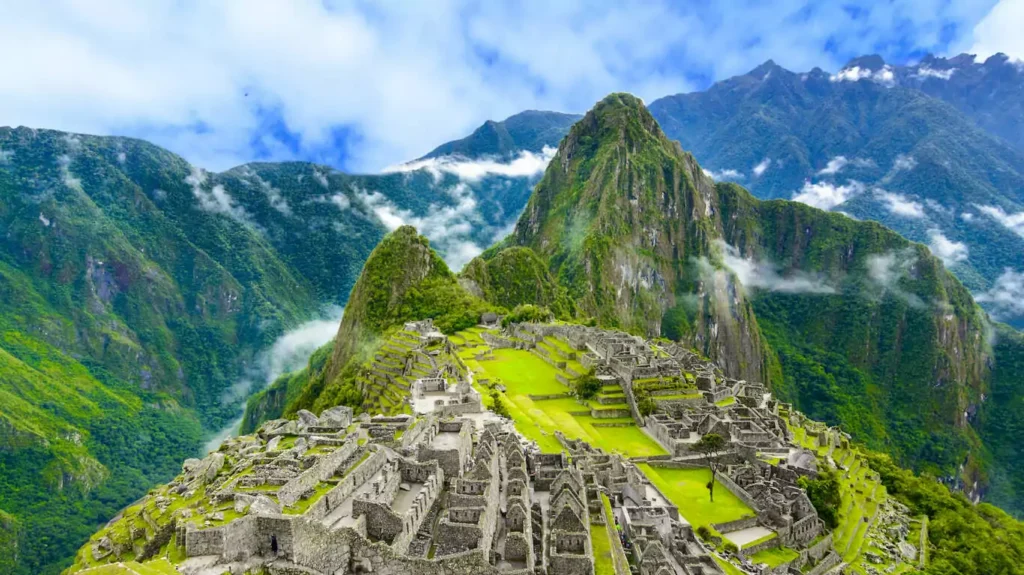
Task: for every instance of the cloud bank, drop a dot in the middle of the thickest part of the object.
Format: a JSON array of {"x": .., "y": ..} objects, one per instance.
[
  {"x": 525, "y": 165},
  {"x": 365, "y": 85},
  {"x": 1005, "y": 298},
  {"x": 1012, "y": 222},
  {"x": 947, "y": 250},
  {"x": 764, "y": 274},
  {"x": 899, "y": 204},
  {"x": 825, "y": 195}
]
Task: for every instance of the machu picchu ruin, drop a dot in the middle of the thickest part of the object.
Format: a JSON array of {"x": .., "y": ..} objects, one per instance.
[{"x": 476, "y": 453}]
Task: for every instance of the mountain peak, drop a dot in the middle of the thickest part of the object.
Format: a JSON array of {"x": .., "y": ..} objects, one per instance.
[{"x": 871, "y": 62}]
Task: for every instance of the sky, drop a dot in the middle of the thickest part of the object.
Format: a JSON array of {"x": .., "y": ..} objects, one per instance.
[{"x": 363, "y": 85}]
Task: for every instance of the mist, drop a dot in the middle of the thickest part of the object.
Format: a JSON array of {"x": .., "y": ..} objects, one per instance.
[{"x": 289, "y": 352}]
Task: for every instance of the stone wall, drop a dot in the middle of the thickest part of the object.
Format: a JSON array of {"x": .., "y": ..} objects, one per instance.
[
  {"x": 730, "y": 526},
  {"x": 769, "y": 544},
  {"x": 358, "y": 476},
  {"x": 738, "y": 491},
  {"x": 204, "y": 541},
  {"x": 321, "y": 471}
]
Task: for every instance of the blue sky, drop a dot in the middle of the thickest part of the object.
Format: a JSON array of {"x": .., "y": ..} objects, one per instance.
[{"x": 361, "y": 85}]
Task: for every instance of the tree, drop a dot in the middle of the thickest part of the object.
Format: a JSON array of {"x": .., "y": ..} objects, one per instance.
[
  {"x": 498, "y": 406},
  {"x": 711, "y": 446},
  {"x": 824, "y": 495},
  {"x": 587, "y": 385},
  {"x": 644, "y": 404}
]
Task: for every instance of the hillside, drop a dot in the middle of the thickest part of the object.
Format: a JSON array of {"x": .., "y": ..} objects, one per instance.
[
  {"x": 880, "y": 143},
  {"x": 846, "y": 319},
  {"x": 403, "y": 280}
]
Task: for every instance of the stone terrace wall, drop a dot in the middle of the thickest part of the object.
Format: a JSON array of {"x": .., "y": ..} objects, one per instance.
[
  {"x": 738, "y": 491},
  {"x": 335, "y": 497},
  {"x": 770, "y": 544},
  {"x": 321, "y": 471}
]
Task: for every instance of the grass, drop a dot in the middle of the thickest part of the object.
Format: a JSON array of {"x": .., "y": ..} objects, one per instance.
[
  {"x": 524, "y": 374},
  {"x": 726, "y": 402},
  {"x": 775, "y": 556},
  {"x": 603, "y": 564},
  {"x": 157, "y": 567},
  {"x": 687, "y": 489},
  {"x": 729, "y": 568}
]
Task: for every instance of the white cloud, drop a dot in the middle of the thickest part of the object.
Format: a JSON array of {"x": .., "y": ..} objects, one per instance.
[
  {"x": 883, "y": 76},
  {"x": 321, "y": 178},
  {"x": 69, "y": 179},
  {"x": 122, "y": 157},
  {"x": 340, "y": 200},
  {"x": 899, "y": 204},
  {"x": 761, "y": 167},
  {"x": 1005, "y": 298},
  {"x": 836, "y": 164},
  {"x": 926, "y": 72},
  {"x": 886, "y": 270},
  {"x": 903, "y": 162},
  {"x": 724, "y": 175},
  {"x": 947, "y": 250},
  {"x": 526, "y": 164},
  {"x": 6, "y": 155},
  {"x": 999, "y": 31},
  {"x": 763, "y": 274},
  {"x": 292, "y": 350},
  {"x": 215, "y": 200},
  {"x": 275, "y": 198},
  {"x": 402, "y": 77},
  {"x": 967, "y": 217},
  {"x": 446, "y": 226},
  {"x": 825, "y": 195},
  {"x": 1012, "y": 222}
]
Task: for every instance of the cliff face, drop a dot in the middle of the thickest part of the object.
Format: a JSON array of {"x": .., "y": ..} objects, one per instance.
[{"x": 847, "y": 319}]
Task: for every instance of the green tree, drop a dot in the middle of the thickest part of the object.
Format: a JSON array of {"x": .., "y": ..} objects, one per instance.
[
  {"x": 711, "y": 445},
  {"x": 824, "y": 495},
  {"x": 644, "y": 404},
  {"x": 587, "y": 386}
]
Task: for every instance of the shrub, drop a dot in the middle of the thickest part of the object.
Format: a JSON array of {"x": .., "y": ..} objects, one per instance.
[{"x": 587, "y": 386}]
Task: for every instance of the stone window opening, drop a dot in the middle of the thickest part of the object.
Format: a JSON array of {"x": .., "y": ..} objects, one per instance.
[{"x": 273, "y": 544}]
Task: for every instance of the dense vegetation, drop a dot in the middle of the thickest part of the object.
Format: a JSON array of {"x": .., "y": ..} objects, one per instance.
[
  {"x": 942, "y": 161},
  {"x": 966, "y": 539},
  {"x": 403, "y": 280},
  {"x": 823, "y": 491}
]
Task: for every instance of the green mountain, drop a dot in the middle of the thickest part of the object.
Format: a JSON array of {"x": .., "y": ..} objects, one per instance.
[
  {"x": 403, "y": 280},
  {"x": 875, "y": 142},
  {"x": 129, "y": 311},
  {"x": 848, "y": 320},
  {"x": 531, "y": 131}
]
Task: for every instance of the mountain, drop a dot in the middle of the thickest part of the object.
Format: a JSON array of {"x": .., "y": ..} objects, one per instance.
[
  {"x": 990, "y": 92},
  {"x": 139, "y": 292},
  {"x": 403, "y": 280},
  {"x": 846, "y": 319},
  {"x": 876, "y": 142},
  {"x": 530, "y": 131}
]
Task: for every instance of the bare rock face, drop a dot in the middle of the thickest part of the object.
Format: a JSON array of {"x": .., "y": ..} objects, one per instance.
[
  {"x": 307, "y": 419},
  {"x": 242, "y": 502},
  {"x": 264, "y": 505},
  {"x": 340, "y": 416}
]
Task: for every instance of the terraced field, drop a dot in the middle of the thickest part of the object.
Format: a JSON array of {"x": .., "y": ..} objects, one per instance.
[
  {"x": 687, "y": 489},
  {"x": 537, "y": 397}
]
